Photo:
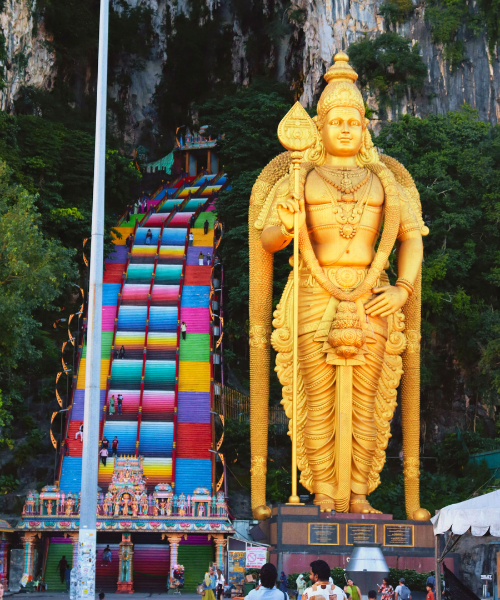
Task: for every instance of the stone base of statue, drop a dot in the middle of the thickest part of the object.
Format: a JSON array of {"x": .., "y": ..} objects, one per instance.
[
  {"x": 300, "y": 534},
  {"x": 125, "y": 587}
]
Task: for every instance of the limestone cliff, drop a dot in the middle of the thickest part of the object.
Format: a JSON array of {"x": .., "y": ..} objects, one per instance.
[{"x": 303, "y": 55}]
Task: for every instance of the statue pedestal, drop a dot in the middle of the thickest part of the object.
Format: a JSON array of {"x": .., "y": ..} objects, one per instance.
[
  {"x": 125, "y": 587},
  {"x": 300, "y": 534}
]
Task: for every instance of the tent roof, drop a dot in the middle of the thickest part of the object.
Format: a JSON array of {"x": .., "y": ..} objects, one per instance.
[{"x": 477, "y": 514}]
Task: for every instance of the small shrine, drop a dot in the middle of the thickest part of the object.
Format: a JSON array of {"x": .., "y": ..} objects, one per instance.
[{"x": 127, "y": 493}]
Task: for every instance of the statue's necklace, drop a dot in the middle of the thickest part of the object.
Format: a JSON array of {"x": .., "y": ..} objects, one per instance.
[
  {"x": 347, "y": 176},
  {"x": 348, "y": 217}
]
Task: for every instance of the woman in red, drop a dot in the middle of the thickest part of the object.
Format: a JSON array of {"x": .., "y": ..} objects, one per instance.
[{"x": 386, "y": 590}]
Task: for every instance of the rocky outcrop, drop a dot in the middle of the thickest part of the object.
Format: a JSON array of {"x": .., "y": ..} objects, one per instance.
[{"x": 325, "y": 27}]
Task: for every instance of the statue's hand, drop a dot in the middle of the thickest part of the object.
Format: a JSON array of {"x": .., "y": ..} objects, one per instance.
[
  {"x": 286, "y": 210},
  {"x": 388, "y": 300}
]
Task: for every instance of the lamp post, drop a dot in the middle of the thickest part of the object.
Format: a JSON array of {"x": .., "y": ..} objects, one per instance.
[{"x": 85, "y": 585}]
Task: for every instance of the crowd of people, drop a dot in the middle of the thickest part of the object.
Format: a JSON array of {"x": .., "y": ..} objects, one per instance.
[{"x": 323, "y": 587}]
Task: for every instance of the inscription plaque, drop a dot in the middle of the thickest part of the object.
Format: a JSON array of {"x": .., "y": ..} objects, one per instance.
[
  {"x": 358, "y": 533},
  {"x": 398, "y": 535},
  {"x": 323, "y": 534}
]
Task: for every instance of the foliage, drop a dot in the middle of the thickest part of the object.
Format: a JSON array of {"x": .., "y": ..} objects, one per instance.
[
  {"x": 455, "y": 161},
  {"x": 8, "y": 484},
  {"x": 446, "y": 18},
  {"x": 390, "y": 67},
  {"x": 396, "y": 11},
  {"x": 248, "y": 119}
]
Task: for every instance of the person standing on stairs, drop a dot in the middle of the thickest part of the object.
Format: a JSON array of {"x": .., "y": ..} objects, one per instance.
[
  {"x": 149, "y": 237},
  {"x": 183, "y": 330},
  {"x": 105, "y": 443},
  {"x": 209, "y": 260},
  {"x": 121, "y": 354},
  {"x": 111, "y": 406},
  {"x": 62, "y": 565},
  {"x": 114, "y": 447},
  {"x": 200, "y": 258},
  {"x": 103, "y": 453},
  {"x": 191, "y": 238},
  {"x": 66, "y": 446},
  {"x": 79, "y": 433},
  {"x": 206, "y": 225},
  {"x": 120, "y": 402}
]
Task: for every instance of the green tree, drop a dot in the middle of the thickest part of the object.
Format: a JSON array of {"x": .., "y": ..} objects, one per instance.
[
  {"x": 33, "y": 271},
  {"x": 389, "y": 66}
]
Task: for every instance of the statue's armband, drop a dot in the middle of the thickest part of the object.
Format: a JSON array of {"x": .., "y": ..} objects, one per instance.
[{"x": 409, "y": 226}]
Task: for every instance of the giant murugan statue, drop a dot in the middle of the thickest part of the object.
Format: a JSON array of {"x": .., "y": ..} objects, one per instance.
[{"x": 357, "y": 334}]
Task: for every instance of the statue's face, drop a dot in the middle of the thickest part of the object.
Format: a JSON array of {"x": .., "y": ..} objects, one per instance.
[{"x": 342, "y": 131}]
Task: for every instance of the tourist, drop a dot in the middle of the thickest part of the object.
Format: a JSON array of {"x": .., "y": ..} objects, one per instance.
[
  {"x": 209, "y": 584},
  {"x": 220, "y": 584},
  {"x": 267, "y": 586},
  {"x": 79, "y": 433},
  {"x": 66, "y": 446},
  {"x": 209, "y": 259},
  {"x": 105, "y": 443},
  {"x": 111, "y": 406},
  {"x": 301, "y": 585},
  {"x": 431, "y": 580},
  {"x": 127, "y": 215},
  {"x": 402, "y": 592},
  {"x": 206, "y": 224},
  {"x": 353, "y": 590},
  {"x": 430, "y": 592},
  {"x": 121, "y": 354},
  {"x": 106, "y": 556},
  {"x": 200, "y": 258},
  {"x": 372, "y": 595},
  {"x": 283, "y": 582},
  {"x": 386, "y": 590},
  {"x": 120, "y": 402},
  {"x": 183, "y": 330},
  {"x": 136, "y": 207},
  {"x": 191, "y": 238},
  {"x": 62, "y": 565},
  {"x": 319, "y": 576},
  {"x": 149, "y": 236},
  {"x": 67, "y": 576},
  {"x": 114, "y": 447},
  {"x": 103, "y": 452}
]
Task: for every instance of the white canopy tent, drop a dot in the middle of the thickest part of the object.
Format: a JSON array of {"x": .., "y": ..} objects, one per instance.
[
  {"x": 480, "y": 515},
  {"x": 477, "y": 514}
]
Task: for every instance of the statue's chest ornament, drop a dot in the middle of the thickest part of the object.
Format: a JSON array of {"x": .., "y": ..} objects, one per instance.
[{"x": 347, "y": 213}]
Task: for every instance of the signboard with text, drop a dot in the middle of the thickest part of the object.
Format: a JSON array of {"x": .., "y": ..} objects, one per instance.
[
  {"x": 323, "y": 534},
  {"x": 361, "y": 533},
  {"x": 399, "y": 535},
  {"x": 256, "y": 557}
]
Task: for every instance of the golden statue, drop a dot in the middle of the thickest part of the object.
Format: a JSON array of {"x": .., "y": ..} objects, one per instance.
[{"x": 356, "y": 334}]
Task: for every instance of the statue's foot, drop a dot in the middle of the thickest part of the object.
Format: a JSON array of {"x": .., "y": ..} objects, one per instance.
[
  {"x": 359, "y": 504},
  {"x": 421, "y": 514},
  {"x": 261, "y": 513},
  {"x": 326, "y": 504}
]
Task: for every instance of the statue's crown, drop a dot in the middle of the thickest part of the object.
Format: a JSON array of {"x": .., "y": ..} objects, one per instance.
[{"x": 341, "y": 89}]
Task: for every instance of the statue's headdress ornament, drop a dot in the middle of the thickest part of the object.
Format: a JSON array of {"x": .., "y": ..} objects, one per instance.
[{"x": 341, "y": 89}]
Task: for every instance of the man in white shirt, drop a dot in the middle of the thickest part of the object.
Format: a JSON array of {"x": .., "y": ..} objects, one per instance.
[
  {"x": 321, "y": 589},
  {"x": 267, "y": 588}
]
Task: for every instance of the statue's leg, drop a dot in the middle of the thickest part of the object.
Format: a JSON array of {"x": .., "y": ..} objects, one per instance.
[
  {"x": 364, "y": 443},
  {"x": 319, "y": 384}
]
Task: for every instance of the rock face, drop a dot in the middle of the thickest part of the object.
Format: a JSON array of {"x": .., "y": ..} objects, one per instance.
[{"x": 324, "y": 27}]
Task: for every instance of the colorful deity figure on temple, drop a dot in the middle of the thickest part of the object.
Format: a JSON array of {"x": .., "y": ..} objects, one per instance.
[
  {"x": 221, "y": 504},
  {"x": 105, "y": 506},
  {"x": 50, "y": 506},
  {"x": 127, "y": 475},
  {"x": 181, "y": 503},
  {"x": 61, "y": 503},
  {"x": 201, "y": 509},
  {"x": 125, "y": 504},
  {"x": 169, "y": 507},
  {"x": 163, "y": 507},
  {"x": 135, "y": 507},
  {"x": 144, "y": 504},
  {"x": 120, "y": 477},
  {"x": 155, "y": 509},
  {"x": 70, "y": 503},
  {"x": 117, "y": 507}
]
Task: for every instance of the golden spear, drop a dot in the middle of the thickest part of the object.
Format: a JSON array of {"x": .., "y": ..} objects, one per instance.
[{"x": 297, "y": 133}]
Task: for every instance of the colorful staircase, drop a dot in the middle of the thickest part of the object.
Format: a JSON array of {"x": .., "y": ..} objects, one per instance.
[{"x": 58, "y": 548}]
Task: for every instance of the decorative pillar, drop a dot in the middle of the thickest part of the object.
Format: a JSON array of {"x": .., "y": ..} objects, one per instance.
[
  {"x": 4, "y": 553},
  {"x": 126, "y": 566},
  {"x": 74, "y": 540},
  {"x": 174, "y": 540},
  {"x": 29, "y": 540},
  {"x": 220, "y": 544},
  {"x": 187, "y": 163}
]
